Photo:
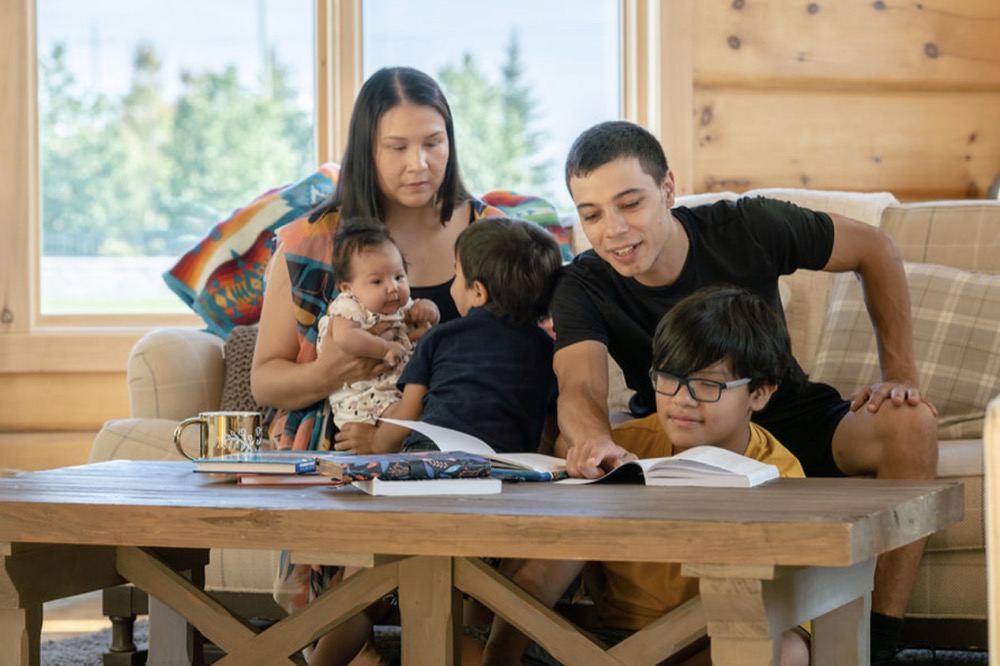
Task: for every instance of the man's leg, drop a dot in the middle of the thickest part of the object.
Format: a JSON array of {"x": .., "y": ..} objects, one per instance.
[{"x": 893, "y": 443}]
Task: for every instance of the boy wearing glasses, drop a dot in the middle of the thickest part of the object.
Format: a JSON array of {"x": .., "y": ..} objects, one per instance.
[{"x": 718, "y": 356}]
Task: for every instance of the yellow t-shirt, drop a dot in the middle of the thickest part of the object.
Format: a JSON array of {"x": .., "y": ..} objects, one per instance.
[{"x": 630, "y": 595}]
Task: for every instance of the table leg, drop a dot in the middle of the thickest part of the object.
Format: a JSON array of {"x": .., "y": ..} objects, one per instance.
[
  {"x": 831, "y": 642},
  {"x": 17, "y": 626},
  {"x": 430, "y": 612},
  {"x": 747, "y": 608}
]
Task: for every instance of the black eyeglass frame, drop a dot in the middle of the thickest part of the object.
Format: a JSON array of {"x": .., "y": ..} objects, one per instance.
[{"x": 686, "y": 383}]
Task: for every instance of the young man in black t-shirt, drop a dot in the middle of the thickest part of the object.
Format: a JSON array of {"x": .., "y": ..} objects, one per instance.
[{"x": 647, "y": 255}]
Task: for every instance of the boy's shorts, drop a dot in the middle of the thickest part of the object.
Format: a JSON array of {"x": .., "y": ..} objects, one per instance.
[{"x": 805, "y": 424}]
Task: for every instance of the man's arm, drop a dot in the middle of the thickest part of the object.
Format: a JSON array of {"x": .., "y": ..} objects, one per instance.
[
  {"x": 872, "y": 254},
  {"x": 582, "y": 372}
]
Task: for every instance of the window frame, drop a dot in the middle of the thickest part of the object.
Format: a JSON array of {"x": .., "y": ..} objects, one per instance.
[{"x": 31, "y": 342}]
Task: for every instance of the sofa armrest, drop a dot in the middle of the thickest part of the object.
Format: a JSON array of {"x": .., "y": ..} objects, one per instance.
[
  {"x": 141, "y": 439},
  {"x": 174, "y": 373}
]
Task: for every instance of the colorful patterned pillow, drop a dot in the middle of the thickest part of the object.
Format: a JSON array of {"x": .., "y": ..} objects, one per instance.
[
  {"x": 532, "y": 209},
  {"x": 222, "y": 277},
  {"x": 956, "y": 335}
]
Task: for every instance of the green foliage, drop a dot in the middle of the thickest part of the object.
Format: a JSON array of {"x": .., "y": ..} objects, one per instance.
[
  {"x": 496, "y": 144},
  {"x": 143, "y": 175}
]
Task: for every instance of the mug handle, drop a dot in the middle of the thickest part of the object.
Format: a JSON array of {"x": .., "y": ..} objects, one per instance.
[{"x": 177, "y": 434}]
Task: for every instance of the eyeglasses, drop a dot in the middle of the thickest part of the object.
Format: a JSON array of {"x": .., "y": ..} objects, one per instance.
[{"x": 702, "y": 390}]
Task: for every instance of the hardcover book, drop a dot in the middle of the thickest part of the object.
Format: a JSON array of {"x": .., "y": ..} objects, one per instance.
[
  {"x": 520, "y": 466},
  {"x": 406, "y": 466},
  {"x": 258, "y": 462},
  {"x": 486, "y": 485},
  {"x": 307, "y": 479},
  {"x": 706, "y": 466}
]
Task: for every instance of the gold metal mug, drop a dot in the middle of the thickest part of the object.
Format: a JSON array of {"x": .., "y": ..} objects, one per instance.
[{"x": 223, "y": 433}]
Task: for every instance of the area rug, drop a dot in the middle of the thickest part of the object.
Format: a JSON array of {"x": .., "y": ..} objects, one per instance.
[{"x": 88, "y": 650}]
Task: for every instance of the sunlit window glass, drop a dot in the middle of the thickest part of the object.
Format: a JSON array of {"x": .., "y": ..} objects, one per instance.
[
  {"x": 523, "y": 78},
  {"x": 156, "y": 120}
]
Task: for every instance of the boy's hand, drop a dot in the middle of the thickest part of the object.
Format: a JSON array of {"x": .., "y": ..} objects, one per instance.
[
  {"x": 355, "y": 437},
  {"x": 592, "y": 458}
]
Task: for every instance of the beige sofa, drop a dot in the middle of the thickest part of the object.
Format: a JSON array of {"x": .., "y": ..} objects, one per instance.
[{"x": 175, "y": 373}]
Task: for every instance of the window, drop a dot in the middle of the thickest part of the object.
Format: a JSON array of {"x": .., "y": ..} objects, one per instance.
[
  {"x": 155, "y": 121},
  {"x": 617, "y": 43},
  {"x": 515, "y": 118}
]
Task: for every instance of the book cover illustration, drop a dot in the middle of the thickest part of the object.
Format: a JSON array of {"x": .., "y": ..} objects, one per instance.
[{"x": 407, "y": 466}]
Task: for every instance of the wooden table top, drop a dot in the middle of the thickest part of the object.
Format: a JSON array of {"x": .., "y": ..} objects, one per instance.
[{"x": 822, "y": 522}]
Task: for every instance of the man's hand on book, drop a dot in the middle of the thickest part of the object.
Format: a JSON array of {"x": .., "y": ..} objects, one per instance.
[{"x": 592, "y": 458}]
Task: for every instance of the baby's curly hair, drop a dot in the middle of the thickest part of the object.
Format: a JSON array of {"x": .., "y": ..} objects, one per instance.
[{"x": 352, "y": 238}]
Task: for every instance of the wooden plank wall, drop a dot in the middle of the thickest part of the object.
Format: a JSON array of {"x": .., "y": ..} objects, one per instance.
[{"x": 846, "y": 95}]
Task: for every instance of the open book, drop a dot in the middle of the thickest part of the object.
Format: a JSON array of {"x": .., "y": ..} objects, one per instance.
[
  {"x": 521, "y": 466},
  {"x": 698, "y": 466}
]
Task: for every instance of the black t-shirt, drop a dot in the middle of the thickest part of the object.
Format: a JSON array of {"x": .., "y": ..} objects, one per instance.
[
  {"x": 486, "y": 377},
  {"x": 749, "y": 242}
]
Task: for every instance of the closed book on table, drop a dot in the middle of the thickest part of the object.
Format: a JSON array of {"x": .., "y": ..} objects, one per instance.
[
  {"x": 406, "y": 466},
  {"x": 486, "y": 485},
  {"x": 307, "y": 479},
  {"x": 259, "y": 462}
]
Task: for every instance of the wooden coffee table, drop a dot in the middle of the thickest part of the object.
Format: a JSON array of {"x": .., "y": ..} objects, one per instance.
[{"x": 769, "y": 558}]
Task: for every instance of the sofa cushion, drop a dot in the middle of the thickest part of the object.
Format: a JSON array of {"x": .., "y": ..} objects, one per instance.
[
  {"x": 964, "y": 234},
  {"x": 956, "y": 332},
  {"x": 222, "y": 277}
]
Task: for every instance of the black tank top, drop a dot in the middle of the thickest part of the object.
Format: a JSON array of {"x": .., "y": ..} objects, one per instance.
[{"x": 441, "y": 295}]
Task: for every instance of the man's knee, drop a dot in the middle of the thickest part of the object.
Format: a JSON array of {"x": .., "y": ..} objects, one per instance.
[{"x": 908, "y": 437}]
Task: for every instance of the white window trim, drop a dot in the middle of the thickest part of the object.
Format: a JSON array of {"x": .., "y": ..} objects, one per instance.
[{"x": 30, "y": 342}]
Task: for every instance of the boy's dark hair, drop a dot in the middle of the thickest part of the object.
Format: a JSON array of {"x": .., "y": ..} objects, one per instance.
[
  {"x": 723, "y": 322},
  {"x": 516, "y": 261},
  {"x": 615, "y": 140},
  {"x": 357, "y": 193},
  {"x": 352, "y": 238}
]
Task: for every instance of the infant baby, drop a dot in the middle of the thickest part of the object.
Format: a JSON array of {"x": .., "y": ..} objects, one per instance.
[{"x": 372, "y": 316}]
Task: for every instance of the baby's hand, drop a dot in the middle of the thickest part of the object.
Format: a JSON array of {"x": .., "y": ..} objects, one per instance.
[
  {"x": 394, "y": 354},
  {"x": 423, "y": 311}
]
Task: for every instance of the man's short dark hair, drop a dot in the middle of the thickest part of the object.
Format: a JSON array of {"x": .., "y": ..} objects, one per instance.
[
  {"x": 615, "y": 140},
  {"x": 719, "y": 323},
  {"x": 352, "y": 238},
  {"x": 516, "y": 261}
]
